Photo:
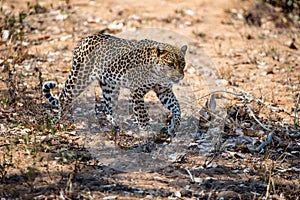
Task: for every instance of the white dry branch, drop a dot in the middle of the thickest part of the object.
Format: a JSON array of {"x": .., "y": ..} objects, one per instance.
[
  {"x": 253, "y": 115},
  {"x": 296, "y": 110},
  {"x": 190, "y": 174},
  {"x": 246, "y": 99},
  {"x": 261, "y": 147}
]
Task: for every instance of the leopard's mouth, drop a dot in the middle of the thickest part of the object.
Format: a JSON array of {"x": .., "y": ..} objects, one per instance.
[{"x": 176, "y": 79}]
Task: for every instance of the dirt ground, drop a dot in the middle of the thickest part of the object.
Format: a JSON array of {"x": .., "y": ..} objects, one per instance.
[{"x": 254, "y": 153}]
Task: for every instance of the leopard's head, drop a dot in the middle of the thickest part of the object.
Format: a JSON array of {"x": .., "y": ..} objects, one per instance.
[{"x": 171, "y": 61}]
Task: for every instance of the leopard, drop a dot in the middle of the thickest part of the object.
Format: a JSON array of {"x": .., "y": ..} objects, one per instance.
[{"x": 139, "y": 65}]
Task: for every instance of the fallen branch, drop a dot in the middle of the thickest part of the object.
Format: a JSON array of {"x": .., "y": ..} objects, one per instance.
[
  {"x": 245, "y": 100},
  {"x": 190, "y": 174},
  {"x": 254, "y": 117},
  {"x": 259, "y": 101},
  {"x": 296, "y": 110},
  {"x": 262, "y": 145}
]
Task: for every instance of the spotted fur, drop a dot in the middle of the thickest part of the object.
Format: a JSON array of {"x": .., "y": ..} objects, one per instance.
[{"x": 140, "y": 66}]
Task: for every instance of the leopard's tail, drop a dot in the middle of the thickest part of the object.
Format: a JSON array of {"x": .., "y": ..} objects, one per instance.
[{"x": 47, "y": 93}]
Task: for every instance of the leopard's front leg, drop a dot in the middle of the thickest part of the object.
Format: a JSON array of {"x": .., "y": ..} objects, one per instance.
[{"x": 168, "y": 99}]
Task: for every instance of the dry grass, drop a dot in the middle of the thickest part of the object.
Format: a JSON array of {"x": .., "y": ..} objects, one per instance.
[{"x": 255, "y": 154}]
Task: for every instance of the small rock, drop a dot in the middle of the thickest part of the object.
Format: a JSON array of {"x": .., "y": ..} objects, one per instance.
[
  {"x": 73, "y": 133},
  {"x": 212, "y": 165},
  {"x": 239, "y": 132},
  {"x": 115, "y": 26},
  {"x": 262, "y": 65},
  {"x": 221, "y": 82},
  {"x": 177, "y": 194},
  {"x": 5, "y": 35},
  {"x": 44, "y": 137},
  {"x": 189, "y": 12},
  {"x": 198, "y": 180},
  {"x": 191, "y": 70},
  {"x": 187, "y": 193},
  {"x": 175, "y": 157},
  {"x": 65, "y": 37},
  {"x": 270, "y": 71},
  {"x": 263, "y": 73},
  {"x": 135, "y": 17},
  {"x": 61, "y": 17},
  {"x": 139, "y": 191},
  {"x": 291, "y": 45},
  {"x": 228, "y": 195},
  {"x": 110, "y": 198}
]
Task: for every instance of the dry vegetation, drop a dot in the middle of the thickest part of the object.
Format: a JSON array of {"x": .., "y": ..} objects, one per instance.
[{"x": 255, "y": 47}]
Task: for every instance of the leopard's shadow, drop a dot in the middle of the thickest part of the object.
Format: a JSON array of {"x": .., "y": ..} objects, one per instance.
[{"x": 101, "y": 145}]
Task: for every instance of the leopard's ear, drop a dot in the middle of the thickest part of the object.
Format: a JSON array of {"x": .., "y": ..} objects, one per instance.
[
  {"x": 161, "y": 50},
  {"x": 183, "y": 49}
]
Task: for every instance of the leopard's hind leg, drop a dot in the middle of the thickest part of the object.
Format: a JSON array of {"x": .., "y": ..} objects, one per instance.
[
  {"x": 110, "y": 95},
  {"x": 76, "y": 83}
]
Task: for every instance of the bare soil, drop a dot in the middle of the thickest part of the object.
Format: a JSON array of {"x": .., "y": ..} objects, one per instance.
[{"x": 250, "y": 50}]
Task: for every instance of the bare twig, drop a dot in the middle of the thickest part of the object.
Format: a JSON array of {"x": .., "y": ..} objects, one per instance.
[
  {"x": 245, "y": 100},
  {"x": 220, "y": 91},
  {"x": 190, "y": 174},
  {"x": 262, "y": 145},
  {"x": 268, "y": 186},
  {"x": 206, "y": 163},
  {"x": 254, "y": 117},
  {"x": 259, "y": 101},
  {"x": 296, "y": 110}
]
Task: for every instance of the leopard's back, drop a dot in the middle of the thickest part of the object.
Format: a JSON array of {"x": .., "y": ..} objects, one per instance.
[{"x": 100, "y": 51}]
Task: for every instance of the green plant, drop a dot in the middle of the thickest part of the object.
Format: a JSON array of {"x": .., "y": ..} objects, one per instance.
[
  {"x": 290, "y": 68},
  {"x": 25, "y": 139},
  {"x": 5, "y": 163},
  {"x": 5, "y": 101}
]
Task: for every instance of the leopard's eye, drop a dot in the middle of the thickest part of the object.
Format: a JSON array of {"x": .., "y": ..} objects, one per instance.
[{"x": 171, "y": 65}]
